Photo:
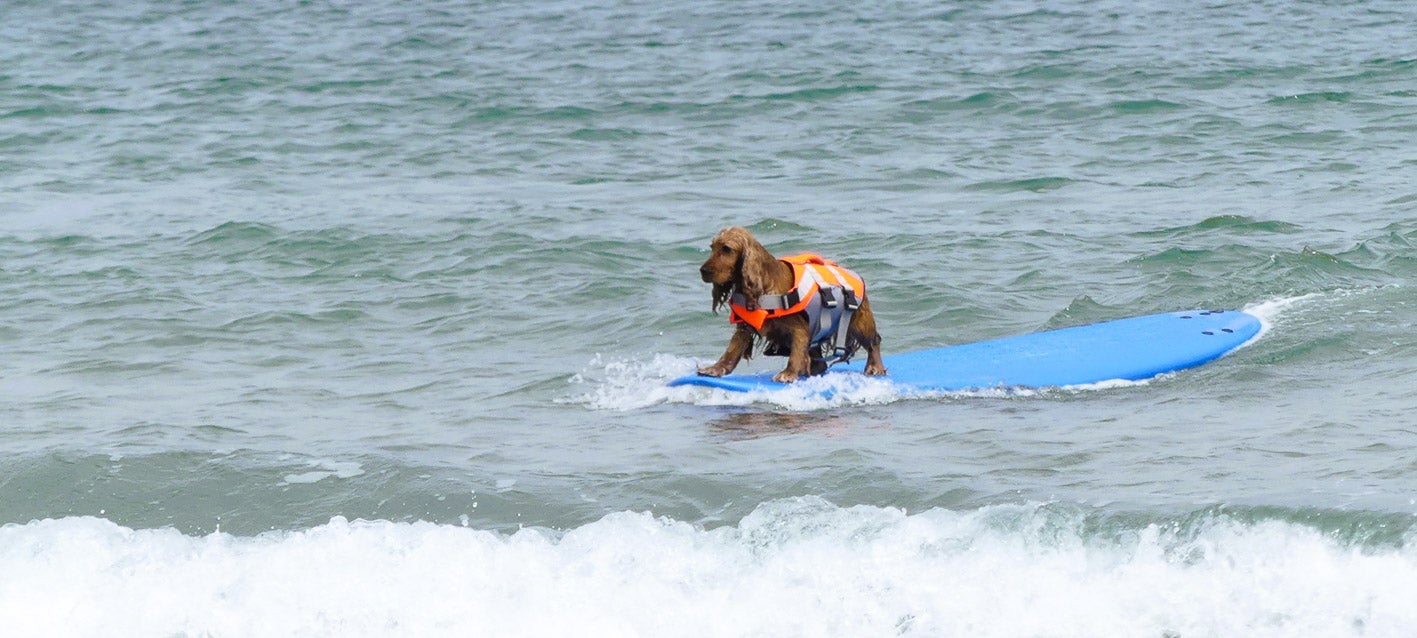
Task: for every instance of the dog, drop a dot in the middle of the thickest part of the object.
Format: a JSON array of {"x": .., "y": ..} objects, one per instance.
[{"x": 782, "y": 302}]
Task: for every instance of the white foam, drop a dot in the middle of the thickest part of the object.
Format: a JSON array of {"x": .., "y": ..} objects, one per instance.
[
  {"x": 326, "y": 468},
  {"x": 628, "y": 384},
  {"x": 1268, "y": 312},
  {"x": 795, "y": 567},
  {"x": 831, "y": 391},
  {"x": 633, "y": 384}
]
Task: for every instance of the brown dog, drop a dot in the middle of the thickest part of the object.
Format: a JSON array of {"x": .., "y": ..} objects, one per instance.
[{"x": 747, "y": 278}]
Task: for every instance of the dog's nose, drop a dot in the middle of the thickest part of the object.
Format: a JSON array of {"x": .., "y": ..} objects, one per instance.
[{"x": 704, "y": 272}]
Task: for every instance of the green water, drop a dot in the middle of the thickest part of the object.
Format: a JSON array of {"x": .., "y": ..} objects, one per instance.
[{"x": 267, "y": 263}]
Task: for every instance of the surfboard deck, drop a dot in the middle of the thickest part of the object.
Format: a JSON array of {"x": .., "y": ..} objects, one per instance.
[{"x": 1131, "y": 349}]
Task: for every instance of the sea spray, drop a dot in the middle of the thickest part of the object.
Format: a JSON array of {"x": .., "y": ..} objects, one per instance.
[{"x": 797, "y": 566}]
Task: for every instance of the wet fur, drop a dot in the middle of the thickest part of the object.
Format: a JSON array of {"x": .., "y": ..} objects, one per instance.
[{"x": 738, "y": 262}]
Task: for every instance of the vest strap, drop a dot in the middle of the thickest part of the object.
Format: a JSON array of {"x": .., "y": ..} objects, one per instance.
[
  {"x": 829, "y": 320},
  {"x": 769, "y": 302},
  {"x": 839, "y": 352}
]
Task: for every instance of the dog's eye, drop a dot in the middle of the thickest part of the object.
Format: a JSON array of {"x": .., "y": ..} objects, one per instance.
[{"x": 724, "y": 249}]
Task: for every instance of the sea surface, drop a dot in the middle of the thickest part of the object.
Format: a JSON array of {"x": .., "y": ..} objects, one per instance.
[{"x": 349, "y": 318}]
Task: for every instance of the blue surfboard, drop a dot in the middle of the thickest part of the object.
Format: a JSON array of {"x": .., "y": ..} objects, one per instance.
[{"x": 1126, "y": 349}]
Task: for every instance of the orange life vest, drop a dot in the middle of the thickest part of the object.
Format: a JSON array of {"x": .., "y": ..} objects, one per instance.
[{"x": 812, "y": 273}]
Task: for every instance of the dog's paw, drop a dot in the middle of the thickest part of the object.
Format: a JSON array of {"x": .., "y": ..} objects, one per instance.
[
  {"x": 875, "y": 370},
  {"x": 712, "y": 371},
  {"x": 786, "y": 376}
]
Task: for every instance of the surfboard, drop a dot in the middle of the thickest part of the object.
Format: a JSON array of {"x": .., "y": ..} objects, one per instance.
[{"x": 1131, "y": 349}]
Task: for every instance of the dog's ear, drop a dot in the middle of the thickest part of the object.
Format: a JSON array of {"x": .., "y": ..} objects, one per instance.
[
  {"x": 721, "y": 295},
  {"x": 755, "y": 270}
]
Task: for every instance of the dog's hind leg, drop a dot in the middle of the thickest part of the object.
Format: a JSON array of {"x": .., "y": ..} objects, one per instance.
[{"x": 863, "y": 331}]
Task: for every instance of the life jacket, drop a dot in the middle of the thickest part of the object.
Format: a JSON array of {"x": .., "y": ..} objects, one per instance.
[{"x": 828, "y": 293}]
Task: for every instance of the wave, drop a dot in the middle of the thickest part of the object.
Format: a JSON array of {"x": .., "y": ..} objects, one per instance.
[
  {"x": 629, "y": 384},
  {"x": 632, "y": 384},
  {"x": 1033, "y": 184},
  {"x": 799, "y": 566},
  {"x": 1225, "y": 225}
]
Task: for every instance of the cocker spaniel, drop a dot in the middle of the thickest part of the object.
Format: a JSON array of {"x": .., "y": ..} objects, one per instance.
[{"x": 796, "y": 306}]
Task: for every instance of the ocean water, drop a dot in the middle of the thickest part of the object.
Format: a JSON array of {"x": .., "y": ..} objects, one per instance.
[{"x": 338, "y": 318}]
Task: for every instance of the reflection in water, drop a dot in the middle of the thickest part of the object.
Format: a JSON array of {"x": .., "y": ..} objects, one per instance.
[{"x": 740, "y": 426}]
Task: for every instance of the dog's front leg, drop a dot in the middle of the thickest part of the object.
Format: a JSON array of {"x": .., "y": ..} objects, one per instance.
[
  {"x": 798, "y": 361},
  {"x": 739, "y": 345}
]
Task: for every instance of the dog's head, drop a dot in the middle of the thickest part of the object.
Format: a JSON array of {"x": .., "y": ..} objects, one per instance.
[{"x": 736, "y": 263}]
